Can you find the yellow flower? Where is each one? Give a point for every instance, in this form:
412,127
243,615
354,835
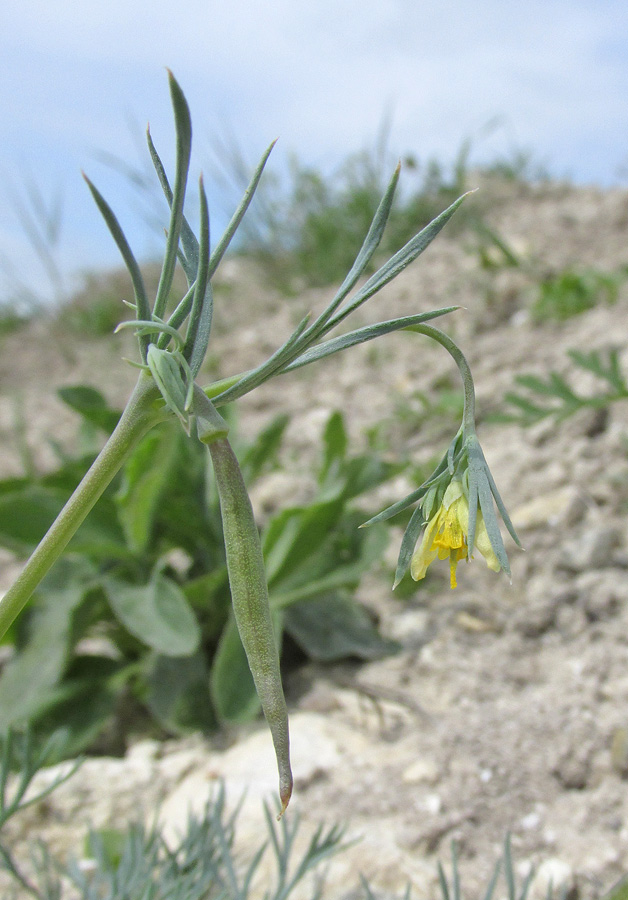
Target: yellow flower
445,536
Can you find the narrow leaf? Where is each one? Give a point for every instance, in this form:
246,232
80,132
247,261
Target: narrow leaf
238,215
189,260
370,245
183,127
398,262
408,543
368,333
275,363
562,389
139,291
200,321
397,507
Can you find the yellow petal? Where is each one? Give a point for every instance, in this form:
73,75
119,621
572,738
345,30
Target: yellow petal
483,543
424,553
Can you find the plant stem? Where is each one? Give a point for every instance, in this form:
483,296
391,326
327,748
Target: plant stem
140,415
468,416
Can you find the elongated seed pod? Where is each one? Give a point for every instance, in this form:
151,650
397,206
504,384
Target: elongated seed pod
249,595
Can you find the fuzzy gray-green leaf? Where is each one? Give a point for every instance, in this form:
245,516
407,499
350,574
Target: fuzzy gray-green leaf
183,126
157,614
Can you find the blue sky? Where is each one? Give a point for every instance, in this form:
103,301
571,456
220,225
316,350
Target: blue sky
82,77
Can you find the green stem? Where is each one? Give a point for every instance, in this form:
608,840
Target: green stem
468,415
140,414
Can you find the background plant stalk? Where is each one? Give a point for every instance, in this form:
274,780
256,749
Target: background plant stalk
142,412
251,608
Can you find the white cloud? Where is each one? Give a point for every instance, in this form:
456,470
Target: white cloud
319,75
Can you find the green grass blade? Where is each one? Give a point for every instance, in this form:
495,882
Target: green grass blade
509,871
443,882
455,871
493,882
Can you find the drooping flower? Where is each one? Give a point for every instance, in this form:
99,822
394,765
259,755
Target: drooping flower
446,535
456,512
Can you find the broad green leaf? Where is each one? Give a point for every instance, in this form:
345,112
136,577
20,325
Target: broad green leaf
26,515
28,508
334,446
363,473
324,573
156,613
178,693
91,405
295,534
146,475
333,627
80,708
231,683
28,681
262,453
184,517
209,597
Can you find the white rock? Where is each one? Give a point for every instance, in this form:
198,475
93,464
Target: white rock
248,769
433,804
554,872
531,821
546,509
422,770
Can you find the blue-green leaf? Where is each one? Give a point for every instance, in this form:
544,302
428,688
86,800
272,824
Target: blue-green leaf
156,613
231,683
146,475
333,626
91,405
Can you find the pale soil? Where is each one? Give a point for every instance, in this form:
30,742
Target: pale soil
507,709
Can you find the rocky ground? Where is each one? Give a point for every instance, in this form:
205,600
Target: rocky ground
507,708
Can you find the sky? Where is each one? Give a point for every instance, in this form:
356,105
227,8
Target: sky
81,78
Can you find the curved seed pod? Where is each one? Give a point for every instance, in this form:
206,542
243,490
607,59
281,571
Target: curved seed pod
249,595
